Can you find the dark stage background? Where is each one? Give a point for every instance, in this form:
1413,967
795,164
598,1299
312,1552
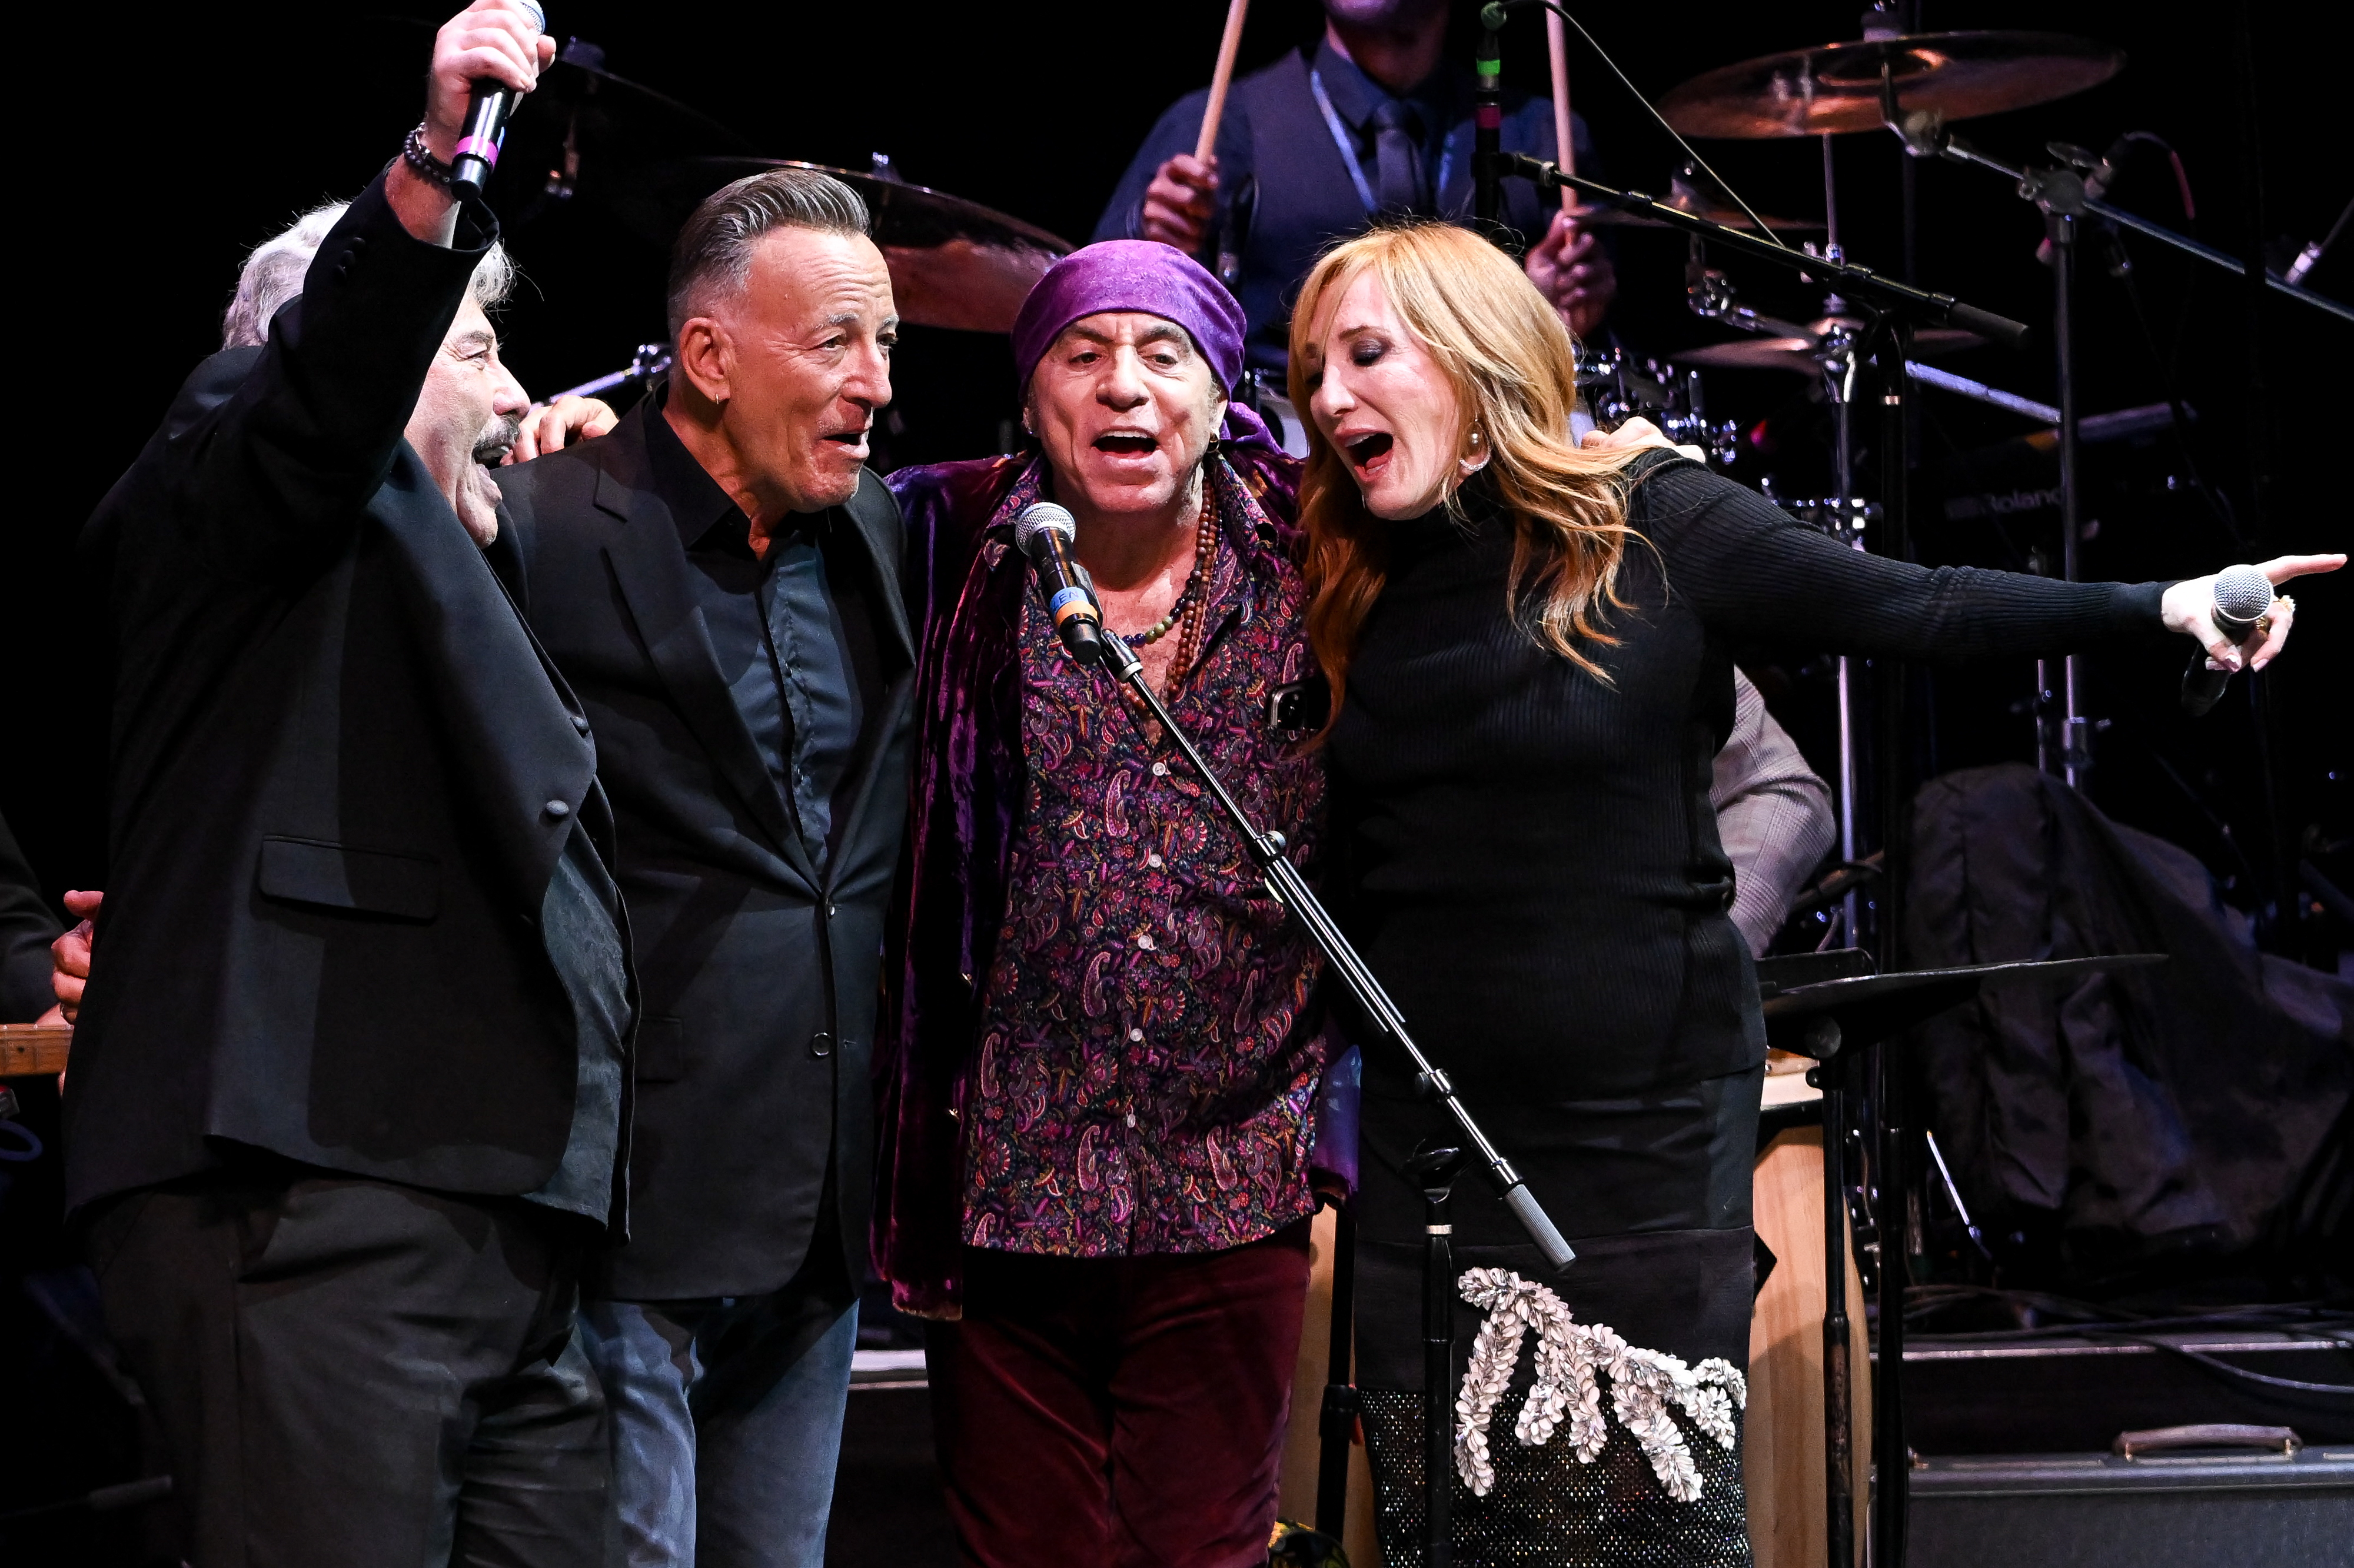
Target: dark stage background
205,129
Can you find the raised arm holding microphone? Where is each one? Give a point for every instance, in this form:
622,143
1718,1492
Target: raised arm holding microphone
346,1105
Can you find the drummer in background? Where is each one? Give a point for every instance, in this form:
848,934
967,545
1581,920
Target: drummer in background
1370,123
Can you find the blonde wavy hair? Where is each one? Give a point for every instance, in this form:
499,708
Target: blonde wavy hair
1514,371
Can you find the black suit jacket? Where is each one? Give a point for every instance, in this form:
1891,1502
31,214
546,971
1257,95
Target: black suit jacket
759,974
342,774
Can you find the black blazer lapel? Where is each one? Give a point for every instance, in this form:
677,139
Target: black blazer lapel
875,516
650,568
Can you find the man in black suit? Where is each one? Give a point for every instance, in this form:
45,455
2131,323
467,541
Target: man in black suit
717,579
345,1112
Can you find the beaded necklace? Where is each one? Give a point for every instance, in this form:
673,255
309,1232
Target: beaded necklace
1191,598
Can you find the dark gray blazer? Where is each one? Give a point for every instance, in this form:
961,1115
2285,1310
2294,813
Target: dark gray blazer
759,974
342,772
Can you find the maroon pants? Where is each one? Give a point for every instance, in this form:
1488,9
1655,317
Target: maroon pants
1119,1411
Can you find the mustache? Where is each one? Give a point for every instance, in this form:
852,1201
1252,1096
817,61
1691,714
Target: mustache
498,439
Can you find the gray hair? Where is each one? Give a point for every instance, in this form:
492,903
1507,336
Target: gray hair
714,249
273,274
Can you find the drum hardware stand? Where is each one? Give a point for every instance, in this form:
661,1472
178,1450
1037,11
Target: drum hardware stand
1844,514
1435,1168
651,359
1336,1422
1832,1007
2075,755
1292,890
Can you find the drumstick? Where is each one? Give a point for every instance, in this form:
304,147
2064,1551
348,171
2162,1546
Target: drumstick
1565,148
1228,46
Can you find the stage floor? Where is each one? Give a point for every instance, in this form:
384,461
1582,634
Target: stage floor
887,1511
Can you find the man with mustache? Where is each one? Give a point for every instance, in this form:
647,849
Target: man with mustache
346,1110
718,578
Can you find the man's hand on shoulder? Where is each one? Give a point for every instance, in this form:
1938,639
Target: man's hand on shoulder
490,41
552,426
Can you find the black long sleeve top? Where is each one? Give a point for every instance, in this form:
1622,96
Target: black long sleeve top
1529,860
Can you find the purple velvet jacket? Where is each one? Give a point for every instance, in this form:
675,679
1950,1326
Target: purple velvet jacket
964,583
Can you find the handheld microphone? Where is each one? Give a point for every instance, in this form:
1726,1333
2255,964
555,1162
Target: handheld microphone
1044,531
486,124
2243,594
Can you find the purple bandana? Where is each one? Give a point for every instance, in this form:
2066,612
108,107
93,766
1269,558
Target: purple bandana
1140,275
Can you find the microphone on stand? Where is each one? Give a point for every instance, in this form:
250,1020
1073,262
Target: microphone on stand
2243,594
1045,532
486,124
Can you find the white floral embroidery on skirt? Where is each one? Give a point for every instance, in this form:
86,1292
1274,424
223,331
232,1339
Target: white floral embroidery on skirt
1643,1386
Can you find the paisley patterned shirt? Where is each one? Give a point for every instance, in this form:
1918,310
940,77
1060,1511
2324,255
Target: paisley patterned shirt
1145,1080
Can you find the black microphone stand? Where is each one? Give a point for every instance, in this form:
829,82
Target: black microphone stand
1435,1170
1292,890
2061,192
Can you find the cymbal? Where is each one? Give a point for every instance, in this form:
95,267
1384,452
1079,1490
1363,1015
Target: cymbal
1684,198
1799,353
1835,87
954,263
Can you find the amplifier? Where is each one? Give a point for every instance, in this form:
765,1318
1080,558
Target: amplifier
2202,1509
1997,1393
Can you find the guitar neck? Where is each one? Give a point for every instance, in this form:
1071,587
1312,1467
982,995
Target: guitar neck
34,1050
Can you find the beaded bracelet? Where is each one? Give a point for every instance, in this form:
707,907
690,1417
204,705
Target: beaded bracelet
421,161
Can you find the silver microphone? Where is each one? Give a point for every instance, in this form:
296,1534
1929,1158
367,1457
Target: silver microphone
1046,533
2243,594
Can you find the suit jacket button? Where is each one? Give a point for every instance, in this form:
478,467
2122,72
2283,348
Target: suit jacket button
820,1043
580,723
558,810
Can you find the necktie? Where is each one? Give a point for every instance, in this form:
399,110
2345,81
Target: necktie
1397,179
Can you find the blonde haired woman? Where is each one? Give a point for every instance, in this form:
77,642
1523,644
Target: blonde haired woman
1527,643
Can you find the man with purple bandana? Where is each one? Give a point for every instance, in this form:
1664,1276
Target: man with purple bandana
1099,1063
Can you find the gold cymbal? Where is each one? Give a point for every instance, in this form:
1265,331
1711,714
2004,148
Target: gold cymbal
1684,198
1836,87
1803,353
954,262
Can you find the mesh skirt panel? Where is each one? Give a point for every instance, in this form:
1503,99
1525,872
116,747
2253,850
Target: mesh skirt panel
1547,1508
